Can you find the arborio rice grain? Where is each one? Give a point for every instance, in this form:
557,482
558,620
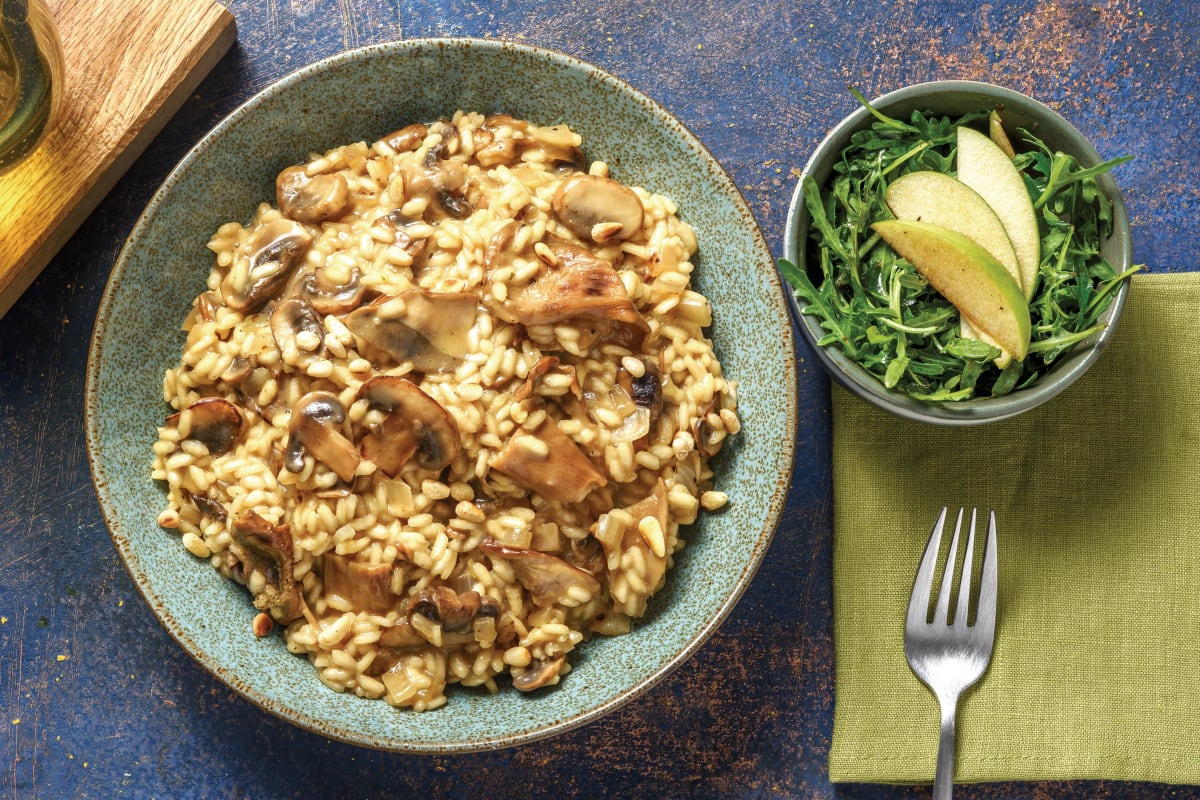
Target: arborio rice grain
444,406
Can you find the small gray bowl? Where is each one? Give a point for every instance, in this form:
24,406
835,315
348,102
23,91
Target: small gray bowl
361,95
953,98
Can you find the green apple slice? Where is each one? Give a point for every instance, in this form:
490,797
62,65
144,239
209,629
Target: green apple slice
968,276
939,199
986,168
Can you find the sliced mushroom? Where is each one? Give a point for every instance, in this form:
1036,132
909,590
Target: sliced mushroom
298,331
397,221
238,371
498,245
539,673
492,150
275,250
544,364
415,425
265,552
582,286
366,587
401,635
548,462
495,146
588,555
548,579
215,422
430,329
312,429
329,295
453,611
442,184
408,138
708,441
638,401
209,507
647,533
311,199
635,419
598,208
449,144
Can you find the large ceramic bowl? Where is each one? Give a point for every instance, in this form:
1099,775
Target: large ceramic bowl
361,95
953,99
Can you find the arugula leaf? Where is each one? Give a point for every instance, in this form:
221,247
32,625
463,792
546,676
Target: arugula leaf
885,316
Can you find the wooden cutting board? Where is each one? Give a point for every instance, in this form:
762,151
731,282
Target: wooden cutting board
130,65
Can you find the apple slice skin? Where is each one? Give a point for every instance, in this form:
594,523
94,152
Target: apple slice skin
966,275
988,170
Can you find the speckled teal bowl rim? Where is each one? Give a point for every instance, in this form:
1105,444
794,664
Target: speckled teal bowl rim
767,507
952,97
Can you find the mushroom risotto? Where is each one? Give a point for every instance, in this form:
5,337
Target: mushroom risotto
444,406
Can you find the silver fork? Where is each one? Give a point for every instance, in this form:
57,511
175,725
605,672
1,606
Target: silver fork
950,655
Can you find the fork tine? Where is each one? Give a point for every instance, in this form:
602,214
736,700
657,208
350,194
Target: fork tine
918,603
964,588
985,616
942,614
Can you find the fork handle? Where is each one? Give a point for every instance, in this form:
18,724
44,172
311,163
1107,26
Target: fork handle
943,780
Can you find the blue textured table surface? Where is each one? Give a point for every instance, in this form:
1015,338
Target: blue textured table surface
97,701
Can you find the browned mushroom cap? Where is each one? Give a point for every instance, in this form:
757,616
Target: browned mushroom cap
551,464
297,329
311,200
266,549
407,138
312,429
275,250
598,208
329,296
581,286
430,329
366,587
455,612
547,578
415,424
215,422
538,674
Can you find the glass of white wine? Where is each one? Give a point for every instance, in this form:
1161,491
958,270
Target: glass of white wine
31,78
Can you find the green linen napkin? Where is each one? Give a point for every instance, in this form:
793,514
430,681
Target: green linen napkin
1096,667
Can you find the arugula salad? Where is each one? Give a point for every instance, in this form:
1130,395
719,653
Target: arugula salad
891,314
